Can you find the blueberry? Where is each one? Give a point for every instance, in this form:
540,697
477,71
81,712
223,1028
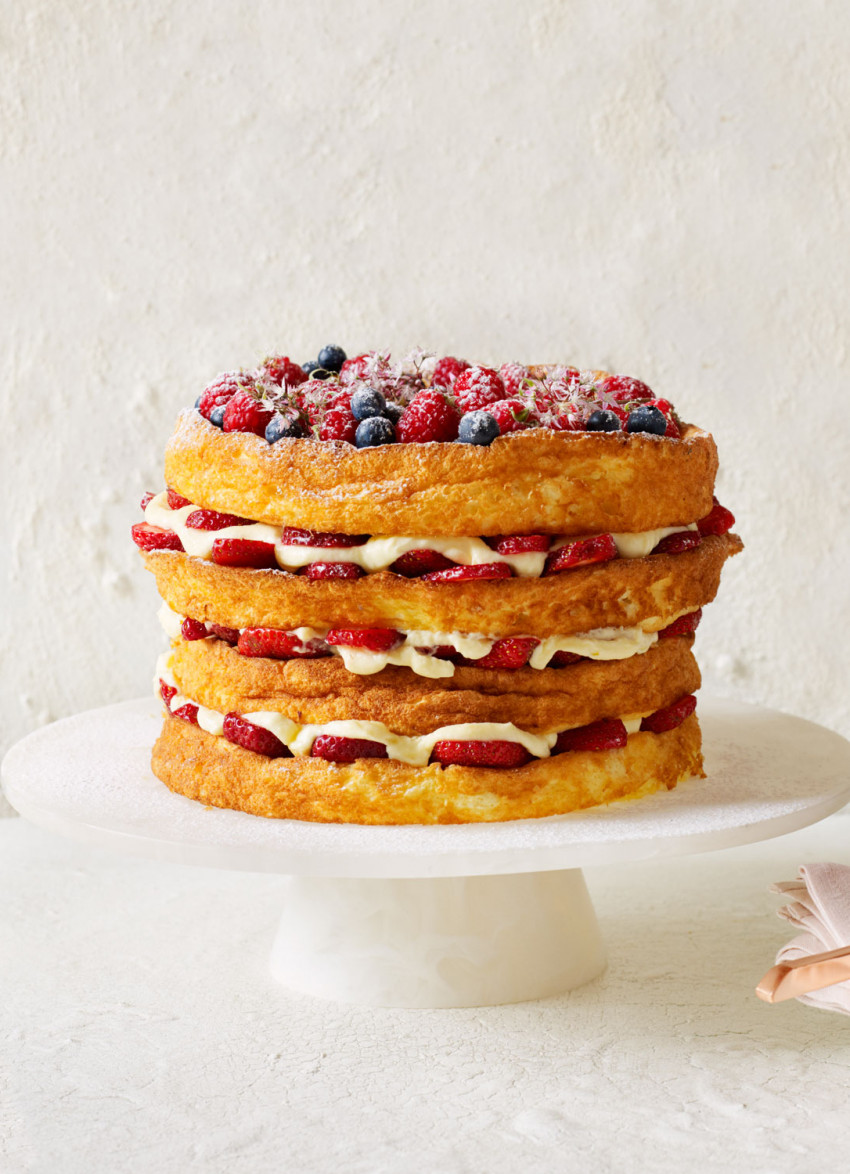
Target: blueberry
331,358
647,419
280,426
478,428
217,415
197,403
394,412
367,402
315,370
602,421
373,431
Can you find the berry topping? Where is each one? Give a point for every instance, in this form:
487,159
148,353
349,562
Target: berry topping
291,536
279,645
280,369
561,659
447,371
511,653
394,412
683,626
479,571
515,377
476,387
375,639
193,629
366,402
512,415
647,419
166,692
213,520
147,498
599,549
666,409
244,552
314,370
667,719
250,737
331,358
188,712
217,415
624,389
221,391
244,413
678,543
334,749
510,754
148,537
520,543
338,424
228,635
374,431
719,521
429,416
609,734
176,501
477,428
603,421
333,571
420,562
290,426
353,369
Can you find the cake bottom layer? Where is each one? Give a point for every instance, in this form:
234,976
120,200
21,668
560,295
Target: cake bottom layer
217,773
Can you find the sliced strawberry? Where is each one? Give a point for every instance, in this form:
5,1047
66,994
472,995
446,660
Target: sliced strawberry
213,520
678,543
244,552
279,645
193,629
581,553
415,563
460,573
510,754
241,732
176,501
609,734
443,652
147,498
166,692
683,626
520,543
229,635
333,571
561,659
719,521
187,712
148,537
334,749
670,717
511,653
375,639
290,536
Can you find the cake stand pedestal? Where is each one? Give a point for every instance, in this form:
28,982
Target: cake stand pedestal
447,916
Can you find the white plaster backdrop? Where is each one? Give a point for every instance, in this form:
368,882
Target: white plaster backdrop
654,188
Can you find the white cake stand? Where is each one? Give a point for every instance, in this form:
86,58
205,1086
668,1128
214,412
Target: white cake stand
455,916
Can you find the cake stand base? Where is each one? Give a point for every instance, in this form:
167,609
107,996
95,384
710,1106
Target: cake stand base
468,941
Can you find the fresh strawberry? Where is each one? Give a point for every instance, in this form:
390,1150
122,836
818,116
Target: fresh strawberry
520,543
166,692
683,626
193,629
148,537
244,552
581,553
353,369
679,542
333,571
477,388
375,639
212,520
624,389
222,390
176,501
447,371
147,498
514,376
609,734
244,733
228,635
415,563
509,754
279,645
667,719
246,414
428,416
512,415
290,536
560,660
187,712
510,653
335,749
280,369
339,424
719,521
460,573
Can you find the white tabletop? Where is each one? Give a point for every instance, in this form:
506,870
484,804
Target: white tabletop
141,1033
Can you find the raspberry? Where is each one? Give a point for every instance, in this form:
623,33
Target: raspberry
176,501
514,377
678,543
166,692
290,536
339,424
212,520
683,626
279,645
188,712
228,635
221,391
581,553
667,719
478,387
623,388
428,416
333,571
666,409
353,369
719,521
479,571
246,414
147,498
567,420
193,629
520,543
420,562
510,754
334,749
282,370
447,371
561,659
244,552
510,653
512,415
241,732
375,639
148,537
609,734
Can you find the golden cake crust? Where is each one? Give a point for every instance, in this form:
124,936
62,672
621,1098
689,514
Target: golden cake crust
379,791
537,481
642,592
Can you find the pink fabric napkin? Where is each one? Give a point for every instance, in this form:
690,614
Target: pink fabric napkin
820,909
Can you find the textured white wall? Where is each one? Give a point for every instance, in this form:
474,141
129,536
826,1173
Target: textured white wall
652,187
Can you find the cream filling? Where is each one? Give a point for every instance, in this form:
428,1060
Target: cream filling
377,553
414,750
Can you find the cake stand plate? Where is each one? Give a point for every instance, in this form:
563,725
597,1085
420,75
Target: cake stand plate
419,916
